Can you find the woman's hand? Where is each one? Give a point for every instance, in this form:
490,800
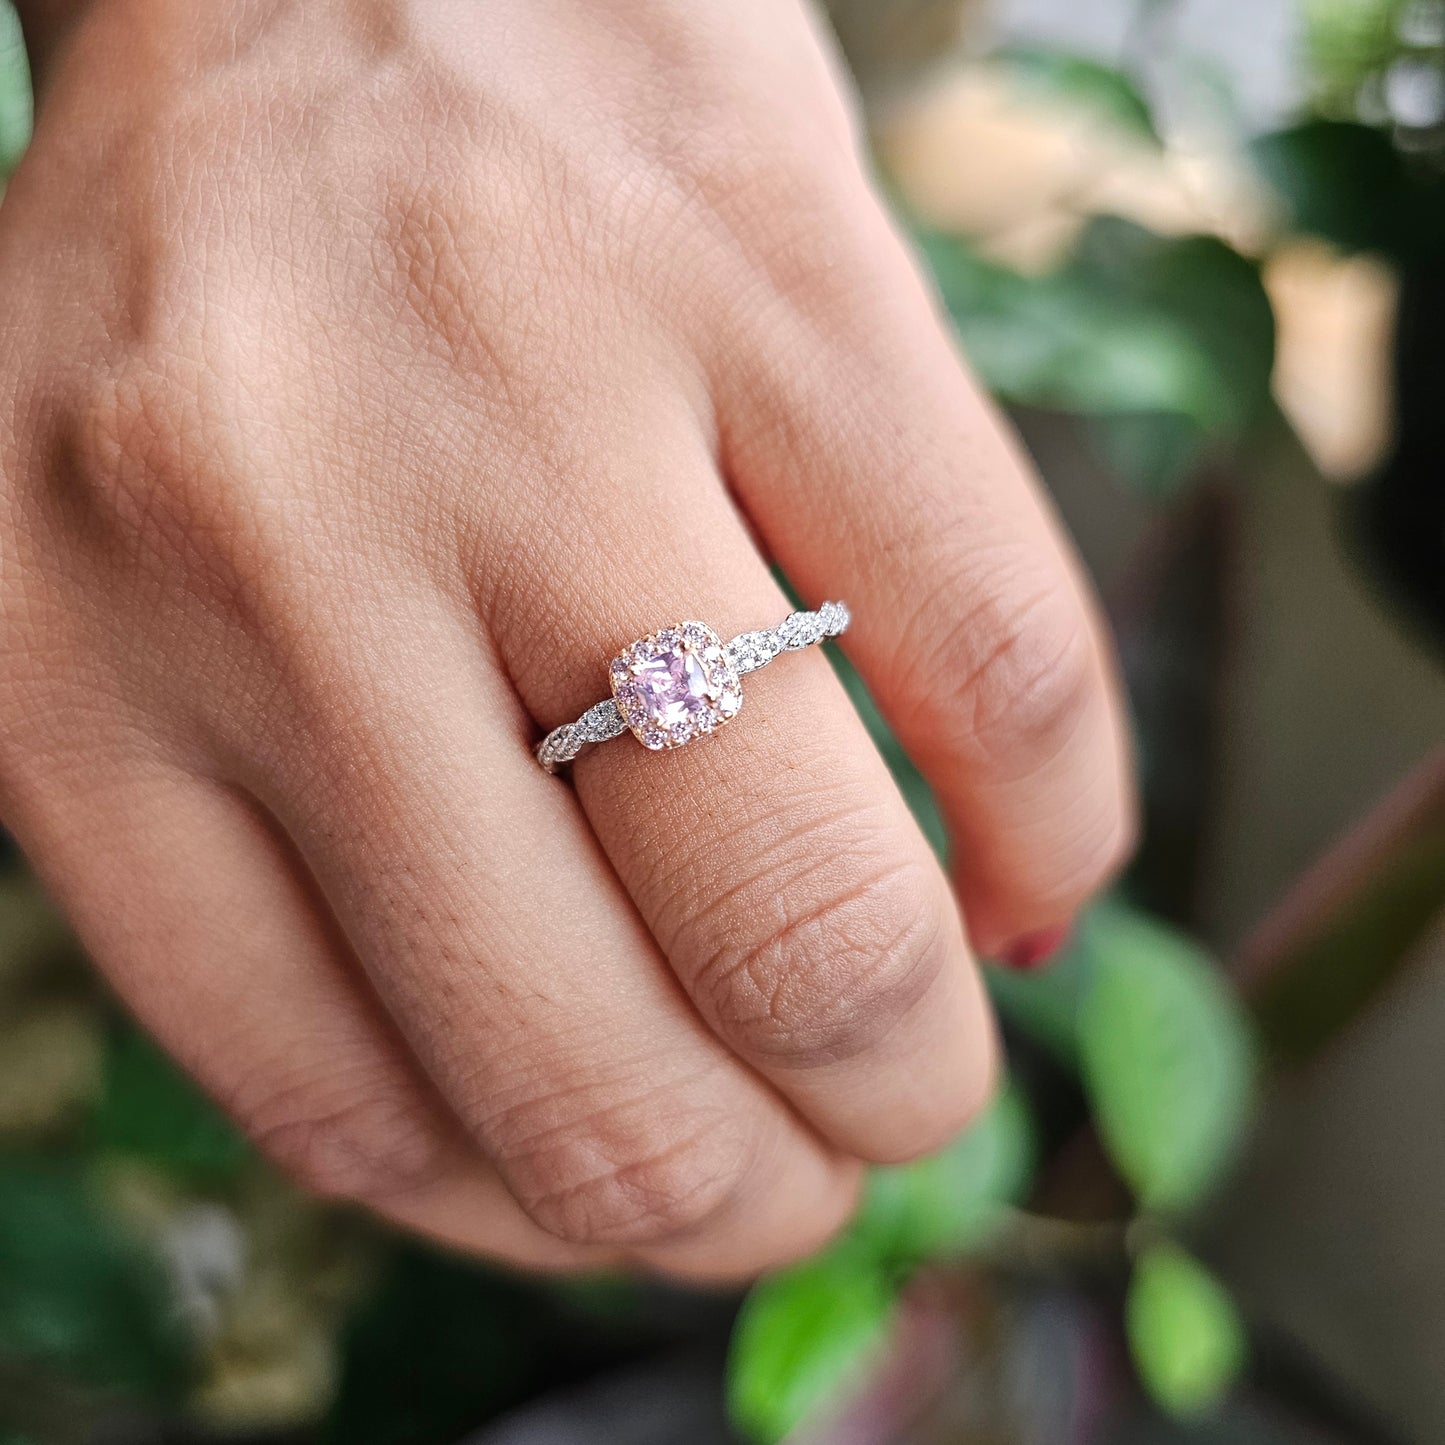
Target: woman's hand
370,372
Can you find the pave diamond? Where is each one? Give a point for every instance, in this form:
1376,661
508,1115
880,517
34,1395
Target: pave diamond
800,629
752,650
674,685
601,721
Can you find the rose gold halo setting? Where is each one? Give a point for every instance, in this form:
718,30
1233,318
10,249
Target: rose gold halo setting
684,682
675,685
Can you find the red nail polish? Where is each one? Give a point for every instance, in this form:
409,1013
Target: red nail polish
1034,950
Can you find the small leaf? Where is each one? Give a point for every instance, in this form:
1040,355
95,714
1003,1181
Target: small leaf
1166,1055
804,1341
954,1200
1185,1335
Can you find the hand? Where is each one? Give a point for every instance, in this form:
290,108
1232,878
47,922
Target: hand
373,371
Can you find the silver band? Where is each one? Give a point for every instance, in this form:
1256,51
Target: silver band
745,653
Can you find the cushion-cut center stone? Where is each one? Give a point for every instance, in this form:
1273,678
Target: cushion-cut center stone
672,687
675,685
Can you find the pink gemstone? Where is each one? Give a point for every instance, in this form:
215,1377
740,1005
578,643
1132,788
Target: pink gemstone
677,686
672,687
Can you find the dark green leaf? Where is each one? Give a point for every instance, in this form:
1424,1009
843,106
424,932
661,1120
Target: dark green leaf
1184,1332
953,1201
1167,1057
150,1110
1211,292
440,1344
1081,81
77,1295
1069,342
804,1341
1153,453
1349,185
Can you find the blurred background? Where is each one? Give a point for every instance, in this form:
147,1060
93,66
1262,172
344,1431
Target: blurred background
1195,247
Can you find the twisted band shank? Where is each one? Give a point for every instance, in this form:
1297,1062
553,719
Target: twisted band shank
747,652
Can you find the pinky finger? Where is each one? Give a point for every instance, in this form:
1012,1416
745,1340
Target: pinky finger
190,901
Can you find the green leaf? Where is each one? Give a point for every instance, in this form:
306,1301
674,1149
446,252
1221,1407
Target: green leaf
15,101
77,1294
1349,185
804,1341
150,1110
440,1343
1078,80
1166,1055
954,1200
1184,1333
1165,345
1068,342
1212,293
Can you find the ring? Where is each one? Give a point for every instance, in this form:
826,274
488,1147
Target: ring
684,682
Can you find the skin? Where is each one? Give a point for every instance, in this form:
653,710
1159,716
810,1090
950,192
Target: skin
370,372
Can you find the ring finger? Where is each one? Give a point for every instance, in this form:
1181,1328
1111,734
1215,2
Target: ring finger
775,863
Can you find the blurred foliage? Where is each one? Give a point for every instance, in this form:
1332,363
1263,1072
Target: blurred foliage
1349,184
955,1201
1163,345
1166,1058
806,1337
1047,74
1186,1336
148,1111
15,103
149,1259
78,1295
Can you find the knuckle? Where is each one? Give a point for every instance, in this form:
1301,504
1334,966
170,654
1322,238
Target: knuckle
142,464
812,982
367,1145
1029,672
741,1256
427,259
625,1174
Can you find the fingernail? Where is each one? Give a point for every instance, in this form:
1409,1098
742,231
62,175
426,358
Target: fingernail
1034,950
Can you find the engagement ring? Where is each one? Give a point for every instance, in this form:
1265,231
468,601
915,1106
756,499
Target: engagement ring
684,682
